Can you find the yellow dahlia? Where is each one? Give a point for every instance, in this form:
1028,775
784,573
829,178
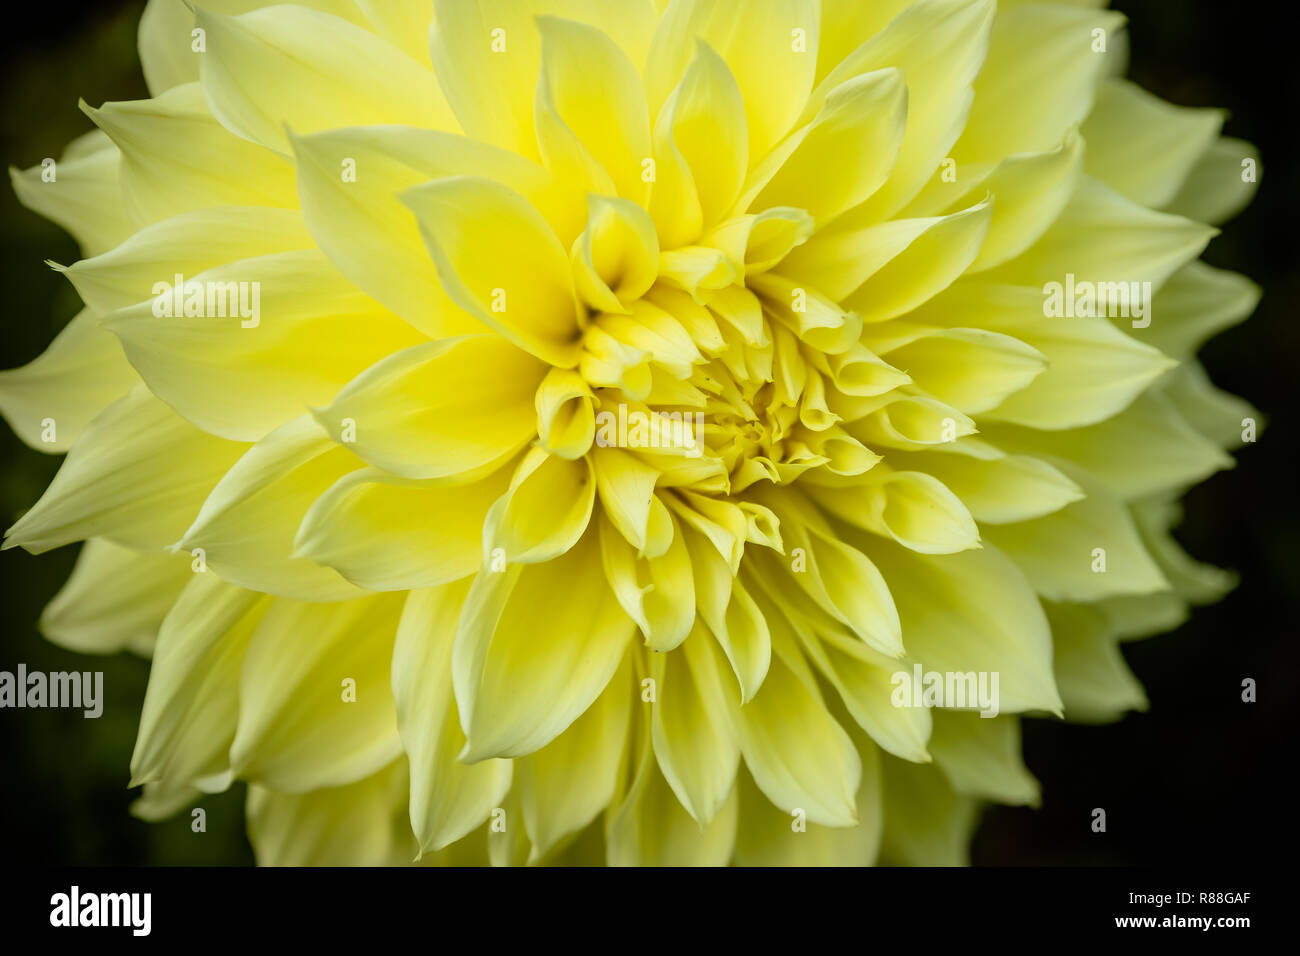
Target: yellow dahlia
680,432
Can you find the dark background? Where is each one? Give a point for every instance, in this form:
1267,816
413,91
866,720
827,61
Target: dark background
1201,779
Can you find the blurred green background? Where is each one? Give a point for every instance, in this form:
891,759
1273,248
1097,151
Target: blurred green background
1200,779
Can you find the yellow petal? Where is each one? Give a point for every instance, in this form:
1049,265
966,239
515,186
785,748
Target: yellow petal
1143,146
702,140
273,336
846,153
840,578
610,117
358,824
544,512
758,42
177,158
1101,236
1039,79
757,243
487,56
731,614
973,370
188,244
51,400
192,704
1029,191
887,269
448,798
290,66
926,822
115,599
768,836
863,679
694,739
521,680
1198,302
939,46
349,184
647,826
799,755
1147,448
616,259
995,487
392,534
1221,184
432,411
657,593
563,786
1096,684
980,756
110,485
86,197
1094,370
1060,553
912,507
166,42
246,526
499,261
315,703
627,495
953,622
566,416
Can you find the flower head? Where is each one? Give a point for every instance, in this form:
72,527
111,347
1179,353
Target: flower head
632,432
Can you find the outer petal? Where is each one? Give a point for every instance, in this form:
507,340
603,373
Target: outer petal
1039,80
246,526
189,243
692,725
980,756
448,798
974,611
110,485
1101,236
299,333
846,153
563,786
610,118
1058,553
1143,146
315,701
192,704
176,158
166,40
1221,184
358,824
288,65
926,822
799,755
648,827
86,198
80,373
115,599
1096,684
939,46
767,836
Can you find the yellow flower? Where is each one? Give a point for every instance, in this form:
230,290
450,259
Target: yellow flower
631,432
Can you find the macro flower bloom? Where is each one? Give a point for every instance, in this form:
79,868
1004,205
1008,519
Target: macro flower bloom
588,432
